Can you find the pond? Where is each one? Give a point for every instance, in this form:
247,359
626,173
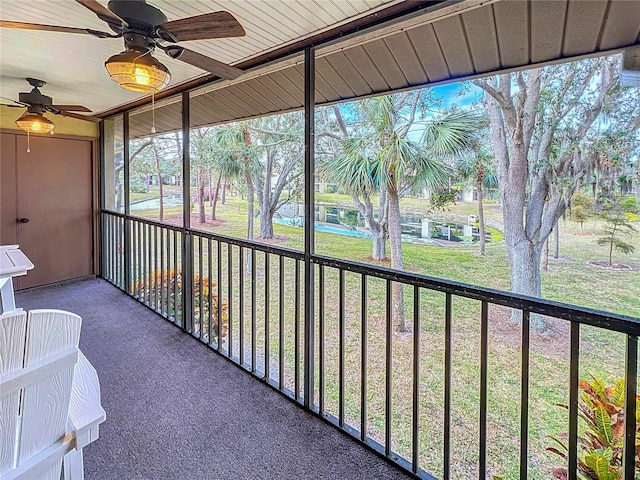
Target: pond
415,229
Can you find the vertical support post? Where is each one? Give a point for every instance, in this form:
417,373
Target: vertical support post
187,246
127,210
524,397
574,396
484,365
101,234
309,175
631,385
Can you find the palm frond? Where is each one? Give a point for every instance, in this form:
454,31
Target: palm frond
452,133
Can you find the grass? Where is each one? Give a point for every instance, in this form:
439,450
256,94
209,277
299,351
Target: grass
569,279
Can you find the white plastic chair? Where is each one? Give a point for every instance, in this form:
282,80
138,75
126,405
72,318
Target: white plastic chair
49,396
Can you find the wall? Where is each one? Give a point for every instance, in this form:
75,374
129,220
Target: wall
64,125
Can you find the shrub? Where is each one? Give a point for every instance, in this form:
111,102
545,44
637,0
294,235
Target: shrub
615,230
600,447
169,280
629,205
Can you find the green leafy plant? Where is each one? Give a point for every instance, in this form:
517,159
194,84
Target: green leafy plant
601,443
580,214
616,228
171,282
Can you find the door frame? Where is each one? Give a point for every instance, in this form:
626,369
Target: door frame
95,190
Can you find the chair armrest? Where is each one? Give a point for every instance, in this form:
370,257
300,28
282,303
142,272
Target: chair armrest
85,411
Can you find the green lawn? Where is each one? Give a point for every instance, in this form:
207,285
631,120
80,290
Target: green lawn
569,279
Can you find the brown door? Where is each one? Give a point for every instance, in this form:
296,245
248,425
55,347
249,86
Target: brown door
54,208
8,193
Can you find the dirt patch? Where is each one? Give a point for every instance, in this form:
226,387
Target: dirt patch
195,221
272,241
553,342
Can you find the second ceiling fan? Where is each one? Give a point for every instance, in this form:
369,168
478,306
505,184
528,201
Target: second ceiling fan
143,28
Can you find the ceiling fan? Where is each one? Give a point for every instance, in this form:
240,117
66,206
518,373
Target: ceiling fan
33,119
143,28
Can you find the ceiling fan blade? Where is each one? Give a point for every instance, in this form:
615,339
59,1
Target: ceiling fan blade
202,27
102,12
71,108
14,103
88,118
208,64
52,28
12,106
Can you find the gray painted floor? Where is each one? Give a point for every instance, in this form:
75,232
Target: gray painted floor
176,410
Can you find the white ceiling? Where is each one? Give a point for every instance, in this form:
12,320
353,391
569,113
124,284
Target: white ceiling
72,64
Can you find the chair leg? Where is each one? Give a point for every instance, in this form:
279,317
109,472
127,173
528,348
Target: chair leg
74,465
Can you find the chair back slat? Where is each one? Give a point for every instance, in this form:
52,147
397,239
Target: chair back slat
45,402
12,343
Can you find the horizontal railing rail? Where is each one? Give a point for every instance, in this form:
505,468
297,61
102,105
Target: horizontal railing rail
564,311
407,364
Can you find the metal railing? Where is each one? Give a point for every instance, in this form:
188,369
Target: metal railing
396,392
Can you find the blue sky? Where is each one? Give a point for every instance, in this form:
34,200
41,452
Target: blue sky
457,94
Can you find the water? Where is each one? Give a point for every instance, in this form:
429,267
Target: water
297,222
169,201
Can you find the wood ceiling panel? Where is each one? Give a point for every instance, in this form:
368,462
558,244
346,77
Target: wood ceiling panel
276,89
269,24
428,49
479,40
406,57
292,90
482,40
231,96
584,21
248,97
623,24
227,107
324,90
547,30
255,91
325,70
342,64
361,61
386,64
512,25
452,40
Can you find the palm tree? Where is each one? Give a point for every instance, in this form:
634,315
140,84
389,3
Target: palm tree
478,169
385,159
226,159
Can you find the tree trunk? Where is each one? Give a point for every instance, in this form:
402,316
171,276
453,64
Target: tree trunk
202,218
524,262
215,198
266,223
556,241
160,189
223,198
250,194
395,241
544,260
379,243
483,241
210,188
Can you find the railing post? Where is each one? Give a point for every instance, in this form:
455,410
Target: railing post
101,223
187,244
127,210
309,176
631,384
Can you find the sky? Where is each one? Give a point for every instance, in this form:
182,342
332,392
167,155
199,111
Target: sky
457,94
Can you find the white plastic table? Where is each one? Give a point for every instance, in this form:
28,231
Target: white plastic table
13,263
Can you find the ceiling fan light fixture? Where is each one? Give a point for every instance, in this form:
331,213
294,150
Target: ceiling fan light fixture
138,71
35,123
